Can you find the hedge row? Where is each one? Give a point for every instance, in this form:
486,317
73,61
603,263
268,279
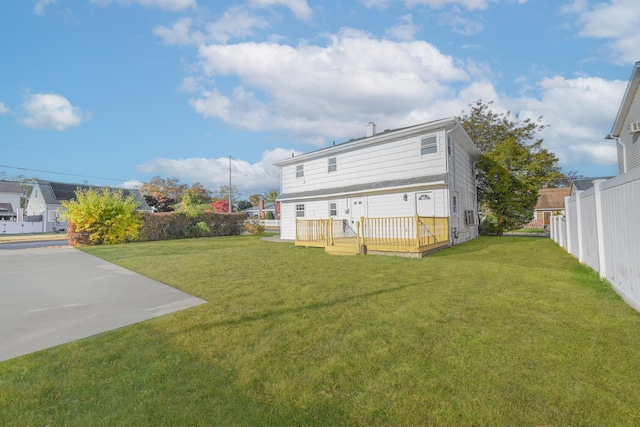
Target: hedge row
175,225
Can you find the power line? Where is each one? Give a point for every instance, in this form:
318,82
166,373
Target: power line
62,173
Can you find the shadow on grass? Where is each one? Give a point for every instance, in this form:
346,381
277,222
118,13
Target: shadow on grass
254,317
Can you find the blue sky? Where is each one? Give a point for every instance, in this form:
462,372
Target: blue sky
118,91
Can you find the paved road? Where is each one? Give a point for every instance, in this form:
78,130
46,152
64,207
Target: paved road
33,244
50,296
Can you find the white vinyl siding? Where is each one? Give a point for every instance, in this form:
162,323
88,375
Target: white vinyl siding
631,140
394,160
333,166
429,145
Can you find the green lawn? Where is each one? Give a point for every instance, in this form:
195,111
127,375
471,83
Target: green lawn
506,331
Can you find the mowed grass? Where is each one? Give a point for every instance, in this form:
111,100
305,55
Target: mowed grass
504,331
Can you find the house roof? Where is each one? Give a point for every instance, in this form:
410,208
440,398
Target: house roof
55,192
552,198
266,207
627,100
10,187
587,183
359,188
6,209
451,124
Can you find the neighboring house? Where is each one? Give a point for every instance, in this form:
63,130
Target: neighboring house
264,210
45,202
10,193
626,128
550,203
427,170
584,184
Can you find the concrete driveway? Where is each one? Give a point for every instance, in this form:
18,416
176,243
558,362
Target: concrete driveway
52,296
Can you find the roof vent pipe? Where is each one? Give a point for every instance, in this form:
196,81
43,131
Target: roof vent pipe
371,129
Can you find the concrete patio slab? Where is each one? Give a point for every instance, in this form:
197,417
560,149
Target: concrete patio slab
52,296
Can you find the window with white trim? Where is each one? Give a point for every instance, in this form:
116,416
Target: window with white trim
333,165
429,145
470,218
299,171
300,211
333,209
455,205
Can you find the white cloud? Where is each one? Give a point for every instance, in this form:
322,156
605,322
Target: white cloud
3,109
434,4
299,8
38,8
329,90
131,185
235,23
177,34
580,113
459,23
213,173
159,4
404,30
50,111
616,21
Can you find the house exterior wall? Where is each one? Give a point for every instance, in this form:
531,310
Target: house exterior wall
11,198
37,205
631,140
398,157
392,160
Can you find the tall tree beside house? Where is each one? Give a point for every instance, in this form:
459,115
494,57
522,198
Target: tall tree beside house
512,167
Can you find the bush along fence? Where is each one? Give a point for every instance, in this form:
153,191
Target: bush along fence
601,229
176,225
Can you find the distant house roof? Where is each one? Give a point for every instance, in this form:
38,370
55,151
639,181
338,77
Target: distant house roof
585,184
10,187
55,192
256,209
552,198
6,209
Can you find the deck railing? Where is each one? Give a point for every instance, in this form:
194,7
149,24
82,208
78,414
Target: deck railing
393,234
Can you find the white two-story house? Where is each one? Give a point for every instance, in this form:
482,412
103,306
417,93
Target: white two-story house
425,170
626,128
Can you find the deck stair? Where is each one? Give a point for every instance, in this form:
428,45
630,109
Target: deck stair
344,246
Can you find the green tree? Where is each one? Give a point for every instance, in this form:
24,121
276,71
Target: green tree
271,196
169,188
513,165
243,204
102,216
193,202
255,199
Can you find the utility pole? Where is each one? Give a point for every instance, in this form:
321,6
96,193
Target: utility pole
230,201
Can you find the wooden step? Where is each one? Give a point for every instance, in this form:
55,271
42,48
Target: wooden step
342,249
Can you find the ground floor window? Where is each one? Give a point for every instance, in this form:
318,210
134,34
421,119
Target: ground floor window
300,211
333,209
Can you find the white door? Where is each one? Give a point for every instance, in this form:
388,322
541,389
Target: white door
425,204
357,210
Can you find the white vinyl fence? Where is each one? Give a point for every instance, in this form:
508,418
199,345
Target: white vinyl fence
601,227
12,227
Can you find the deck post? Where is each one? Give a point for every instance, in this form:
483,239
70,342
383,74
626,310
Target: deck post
330,232
417,231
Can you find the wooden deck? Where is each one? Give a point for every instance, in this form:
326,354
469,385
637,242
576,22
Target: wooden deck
409,236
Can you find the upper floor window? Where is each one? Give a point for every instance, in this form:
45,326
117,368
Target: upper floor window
333,166
299,171
450,145
429,145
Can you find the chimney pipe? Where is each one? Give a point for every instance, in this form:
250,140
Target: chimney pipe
371,129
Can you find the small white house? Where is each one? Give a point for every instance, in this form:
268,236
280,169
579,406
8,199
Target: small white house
10,193
46,199
626,128
426,170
